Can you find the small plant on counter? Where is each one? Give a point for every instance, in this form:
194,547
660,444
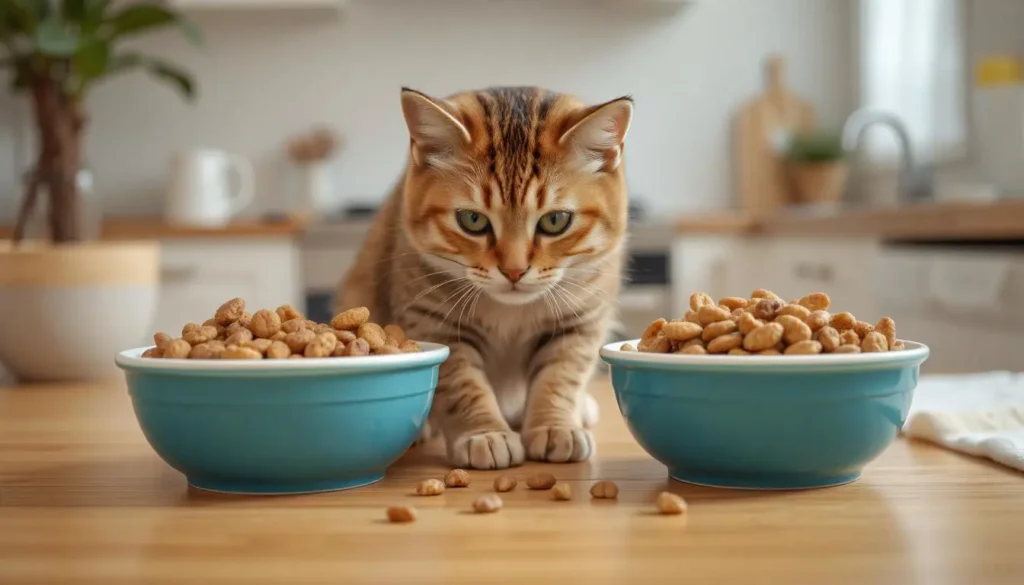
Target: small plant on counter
815,147
817,167
58,50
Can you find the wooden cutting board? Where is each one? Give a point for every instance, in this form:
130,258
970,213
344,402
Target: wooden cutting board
761,181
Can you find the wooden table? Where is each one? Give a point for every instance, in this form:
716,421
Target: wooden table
84,500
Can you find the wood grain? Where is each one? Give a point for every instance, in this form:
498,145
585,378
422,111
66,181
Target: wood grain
83,500
156,228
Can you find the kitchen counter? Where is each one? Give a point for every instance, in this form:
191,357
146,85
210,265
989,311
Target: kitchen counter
933,221
156,228
84,500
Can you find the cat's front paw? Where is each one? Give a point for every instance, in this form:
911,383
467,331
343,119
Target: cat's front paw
494,450
558,444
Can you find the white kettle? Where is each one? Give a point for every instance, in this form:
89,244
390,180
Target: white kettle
200,190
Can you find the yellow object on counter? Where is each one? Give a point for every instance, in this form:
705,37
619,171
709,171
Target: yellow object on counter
998,70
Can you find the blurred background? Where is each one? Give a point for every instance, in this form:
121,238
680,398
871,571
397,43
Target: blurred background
873,149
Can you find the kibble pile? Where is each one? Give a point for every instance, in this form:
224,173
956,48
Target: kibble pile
764,324
283,333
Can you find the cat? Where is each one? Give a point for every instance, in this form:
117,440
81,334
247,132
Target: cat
504,240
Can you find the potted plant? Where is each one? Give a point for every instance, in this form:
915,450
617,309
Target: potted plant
817,167
67,303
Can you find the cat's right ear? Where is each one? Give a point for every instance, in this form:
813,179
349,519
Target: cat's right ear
437,135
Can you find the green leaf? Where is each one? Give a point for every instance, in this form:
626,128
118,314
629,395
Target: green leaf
157,68
41,8
93,17
18,16
53,39
143,17
92,58
72,10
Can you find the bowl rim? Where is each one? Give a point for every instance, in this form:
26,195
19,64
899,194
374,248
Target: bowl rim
914,354
433,354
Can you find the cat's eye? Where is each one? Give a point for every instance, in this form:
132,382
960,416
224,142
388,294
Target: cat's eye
554,223
472,222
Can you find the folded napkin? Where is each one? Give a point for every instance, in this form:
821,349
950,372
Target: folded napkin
977,414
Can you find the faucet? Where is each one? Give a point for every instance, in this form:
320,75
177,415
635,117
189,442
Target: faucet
915,182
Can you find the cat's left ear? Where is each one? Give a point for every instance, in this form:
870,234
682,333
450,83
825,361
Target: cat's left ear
437,135
596,139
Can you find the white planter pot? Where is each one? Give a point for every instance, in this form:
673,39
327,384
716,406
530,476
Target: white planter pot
67,310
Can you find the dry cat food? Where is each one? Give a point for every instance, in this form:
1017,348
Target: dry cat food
541,481
561,491
669,504
764,324
604,490
487,504
401,514
283,333
505,483
456,478
430,487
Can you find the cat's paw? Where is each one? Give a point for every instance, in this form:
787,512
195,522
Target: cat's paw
558,444
495,450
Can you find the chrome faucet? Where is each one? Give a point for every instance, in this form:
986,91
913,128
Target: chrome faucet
915,182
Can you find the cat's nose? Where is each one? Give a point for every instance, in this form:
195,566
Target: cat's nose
513,274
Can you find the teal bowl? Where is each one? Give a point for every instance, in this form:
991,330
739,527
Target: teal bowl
765,422
282,426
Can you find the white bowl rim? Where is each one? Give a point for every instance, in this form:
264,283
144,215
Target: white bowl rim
432,354
914,352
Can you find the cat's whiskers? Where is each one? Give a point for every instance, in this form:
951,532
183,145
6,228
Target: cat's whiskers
466,290
432,289
559,291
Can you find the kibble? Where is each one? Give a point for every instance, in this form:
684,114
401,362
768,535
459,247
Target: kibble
430,487
401,514
487,504
457,478
541,481
604,490
505,483
561,492
670,504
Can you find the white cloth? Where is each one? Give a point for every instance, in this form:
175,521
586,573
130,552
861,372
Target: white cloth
977,414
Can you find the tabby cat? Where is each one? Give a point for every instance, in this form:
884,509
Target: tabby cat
504,240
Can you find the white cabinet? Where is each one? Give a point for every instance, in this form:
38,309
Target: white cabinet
197,275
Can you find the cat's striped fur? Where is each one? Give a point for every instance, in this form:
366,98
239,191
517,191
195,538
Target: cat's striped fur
523,312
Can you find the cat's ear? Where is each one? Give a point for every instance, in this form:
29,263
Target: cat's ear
437,135
595,140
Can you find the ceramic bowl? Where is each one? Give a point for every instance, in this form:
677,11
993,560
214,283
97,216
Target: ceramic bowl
282,426
765,422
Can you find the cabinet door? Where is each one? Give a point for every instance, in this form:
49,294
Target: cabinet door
198,275
843,268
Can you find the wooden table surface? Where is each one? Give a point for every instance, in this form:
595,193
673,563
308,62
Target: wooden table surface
84,500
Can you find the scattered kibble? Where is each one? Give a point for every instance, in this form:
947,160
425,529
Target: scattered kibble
669,503
604,490
561,491
401,514
282,333
505,483
541,481
456,478
430,487
487,504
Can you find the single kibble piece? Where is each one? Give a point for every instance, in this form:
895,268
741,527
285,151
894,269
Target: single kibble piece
887,327
847,348
430,487
205,351
736,313
669,503
293,325
561,492
505,483
691,317
153,352
196,334
626,347
738,351
799,311
239,337
288,312
260,345
769,351
874,342
351,319
230,312
733,303
487,504
298,340
843,321
321,345
764,337
863,328
177,349
805,347
715,330
278,350
387,350
760,293
296,356
456,478
681,330
279,336
709,314
401,514
373,334
818,301
395,332
344,336
747,322
725,343
339,350
698,341
409,346
693,350
234,352
357,348
898,345
653,330
794,330
160,340
766,309
699,299
541,481
849,337
604,490
265,323
828,337
818,319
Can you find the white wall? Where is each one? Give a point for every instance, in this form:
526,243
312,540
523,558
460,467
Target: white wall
263,78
